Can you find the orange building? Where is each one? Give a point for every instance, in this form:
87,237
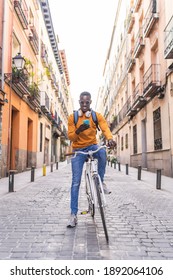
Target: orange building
33,100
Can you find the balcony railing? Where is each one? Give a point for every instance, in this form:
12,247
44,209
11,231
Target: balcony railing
44,55
139,43
33,39
168,42
22,12
139,100
130,112
121,115
130,21
150,18
151,81
44,102
130,61
20,82
137,5
34,96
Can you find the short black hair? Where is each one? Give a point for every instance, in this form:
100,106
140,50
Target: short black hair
85,93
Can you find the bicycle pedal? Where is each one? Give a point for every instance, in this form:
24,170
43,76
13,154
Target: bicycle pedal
84,212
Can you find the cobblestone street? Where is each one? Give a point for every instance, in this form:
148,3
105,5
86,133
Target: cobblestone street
139,219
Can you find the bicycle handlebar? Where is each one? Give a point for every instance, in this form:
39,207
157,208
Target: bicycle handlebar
91,152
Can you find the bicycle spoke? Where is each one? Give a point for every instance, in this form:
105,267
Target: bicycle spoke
91,205
101,208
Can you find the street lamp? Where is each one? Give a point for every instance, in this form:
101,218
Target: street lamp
19,62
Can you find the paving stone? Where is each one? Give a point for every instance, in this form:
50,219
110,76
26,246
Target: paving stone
140,222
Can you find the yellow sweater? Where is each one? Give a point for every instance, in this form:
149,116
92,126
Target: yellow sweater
88,136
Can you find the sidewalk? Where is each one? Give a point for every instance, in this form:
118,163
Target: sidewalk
23,179
148,177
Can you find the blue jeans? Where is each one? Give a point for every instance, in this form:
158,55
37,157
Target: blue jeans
77,168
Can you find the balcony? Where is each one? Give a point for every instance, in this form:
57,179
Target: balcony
139,43
34,96
19,81
33,39
139,100
130,62
130,111
44,55
44,102
150,18
130,21
60,99
168,41
121,115
152,81
137,5
21,10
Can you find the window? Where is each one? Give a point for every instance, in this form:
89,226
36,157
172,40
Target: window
135,139
126,141
41,136
122,143
16,46
157,129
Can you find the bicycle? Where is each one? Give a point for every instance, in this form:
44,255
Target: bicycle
94,187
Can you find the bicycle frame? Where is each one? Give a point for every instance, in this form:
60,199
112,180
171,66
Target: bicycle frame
91,171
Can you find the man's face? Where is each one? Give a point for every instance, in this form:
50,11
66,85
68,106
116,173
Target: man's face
85,102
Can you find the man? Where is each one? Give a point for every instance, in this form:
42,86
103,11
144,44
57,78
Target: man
83,137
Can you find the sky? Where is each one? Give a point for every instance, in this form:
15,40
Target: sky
84,28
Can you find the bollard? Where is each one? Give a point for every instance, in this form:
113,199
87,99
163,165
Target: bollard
11,180
51,167
44,169
57,165
127,169
32,173
158,179
111,163
119,166
139,172
115,165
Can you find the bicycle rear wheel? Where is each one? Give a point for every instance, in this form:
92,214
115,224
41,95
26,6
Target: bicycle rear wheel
91,205
101,208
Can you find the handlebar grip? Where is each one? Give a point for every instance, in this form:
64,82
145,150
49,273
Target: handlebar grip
69,154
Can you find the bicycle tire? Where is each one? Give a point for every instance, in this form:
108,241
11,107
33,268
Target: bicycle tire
91,206
96,182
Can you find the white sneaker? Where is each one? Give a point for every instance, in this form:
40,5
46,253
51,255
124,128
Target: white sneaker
72,221
106,190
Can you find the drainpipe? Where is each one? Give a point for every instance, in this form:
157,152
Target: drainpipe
2,79
3,40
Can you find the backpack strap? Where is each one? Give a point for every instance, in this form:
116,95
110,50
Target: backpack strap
75,114
94,117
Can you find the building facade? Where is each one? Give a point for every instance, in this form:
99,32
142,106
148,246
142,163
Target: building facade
137,84
35,100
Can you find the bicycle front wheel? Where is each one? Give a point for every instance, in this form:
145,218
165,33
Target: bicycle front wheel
89,195
101,207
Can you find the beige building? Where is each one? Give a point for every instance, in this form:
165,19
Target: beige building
137,90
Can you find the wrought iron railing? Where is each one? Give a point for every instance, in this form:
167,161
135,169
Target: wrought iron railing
152,76
168,41
22,12
150,17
